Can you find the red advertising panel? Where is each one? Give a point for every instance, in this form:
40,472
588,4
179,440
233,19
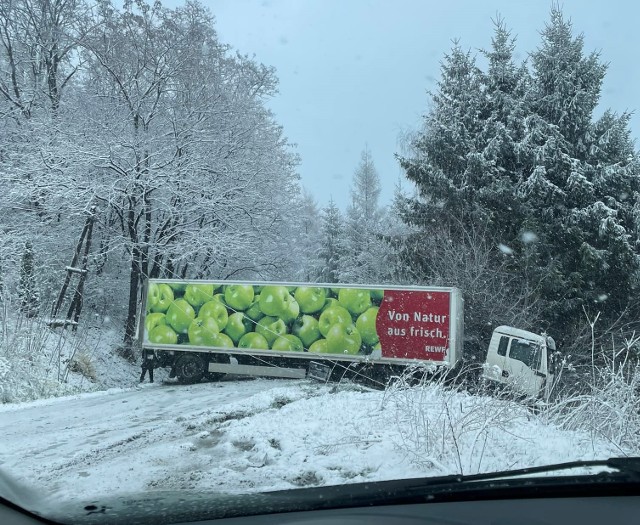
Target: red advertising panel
414,324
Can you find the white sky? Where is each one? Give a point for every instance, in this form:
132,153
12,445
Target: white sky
355,73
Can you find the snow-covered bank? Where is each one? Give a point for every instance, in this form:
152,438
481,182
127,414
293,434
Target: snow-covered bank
38,362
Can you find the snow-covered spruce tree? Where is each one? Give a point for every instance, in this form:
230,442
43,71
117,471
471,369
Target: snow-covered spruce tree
582,188
496,160
465,162
332,235
363,245
464,165
439,166
305,239
28,292
520,156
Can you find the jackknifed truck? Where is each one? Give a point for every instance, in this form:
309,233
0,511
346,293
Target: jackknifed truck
208,329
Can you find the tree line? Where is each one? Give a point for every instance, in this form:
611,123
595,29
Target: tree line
524,193
519,189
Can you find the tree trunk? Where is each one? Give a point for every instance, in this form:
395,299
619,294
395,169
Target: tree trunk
134,282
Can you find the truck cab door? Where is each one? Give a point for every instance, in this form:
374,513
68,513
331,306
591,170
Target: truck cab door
525,367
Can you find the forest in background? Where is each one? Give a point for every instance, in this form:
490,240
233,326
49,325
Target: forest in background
515,191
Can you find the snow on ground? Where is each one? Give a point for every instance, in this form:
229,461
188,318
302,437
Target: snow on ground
113,436
260,435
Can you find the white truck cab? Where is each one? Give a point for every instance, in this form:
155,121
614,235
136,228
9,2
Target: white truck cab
521,360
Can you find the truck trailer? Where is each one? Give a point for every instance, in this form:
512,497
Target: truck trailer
203,328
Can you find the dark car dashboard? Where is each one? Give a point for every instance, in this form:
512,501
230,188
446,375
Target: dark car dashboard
551,495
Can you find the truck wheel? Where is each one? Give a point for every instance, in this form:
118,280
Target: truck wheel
189,368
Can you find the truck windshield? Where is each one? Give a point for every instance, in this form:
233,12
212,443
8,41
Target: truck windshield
527,352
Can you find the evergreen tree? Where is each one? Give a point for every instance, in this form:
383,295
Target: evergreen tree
467,164
456,160
365,192
520,156
308,238
497,146
362,225
566,84
330,253
444,173
582,188
28,287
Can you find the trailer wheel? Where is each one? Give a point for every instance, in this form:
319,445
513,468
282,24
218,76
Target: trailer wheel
189,368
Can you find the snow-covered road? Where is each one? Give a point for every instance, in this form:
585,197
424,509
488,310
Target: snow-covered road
259,435
46,433
53,441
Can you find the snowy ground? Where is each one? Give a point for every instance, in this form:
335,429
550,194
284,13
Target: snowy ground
258,435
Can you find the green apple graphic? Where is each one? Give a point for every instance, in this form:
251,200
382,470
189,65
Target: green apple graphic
319,347
160,296
343,339
201,331
332,316
366,325
153,294
163,335
238,296
274,301
237,326
292,312
253,312
198,294
221,340
216,310
377,295
179,315
153,320
254,341
270,328
329,302
306,329
287,343
355,300
178,287
310,299
220,298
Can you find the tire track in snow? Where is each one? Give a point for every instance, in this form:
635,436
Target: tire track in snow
63,439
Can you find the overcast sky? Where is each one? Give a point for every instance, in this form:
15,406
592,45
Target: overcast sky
355,72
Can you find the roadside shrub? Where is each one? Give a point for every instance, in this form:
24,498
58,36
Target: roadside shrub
608,405
35,361
443,427
81,363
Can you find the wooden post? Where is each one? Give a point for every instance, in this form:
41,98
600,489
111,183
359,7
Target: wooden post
73,313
